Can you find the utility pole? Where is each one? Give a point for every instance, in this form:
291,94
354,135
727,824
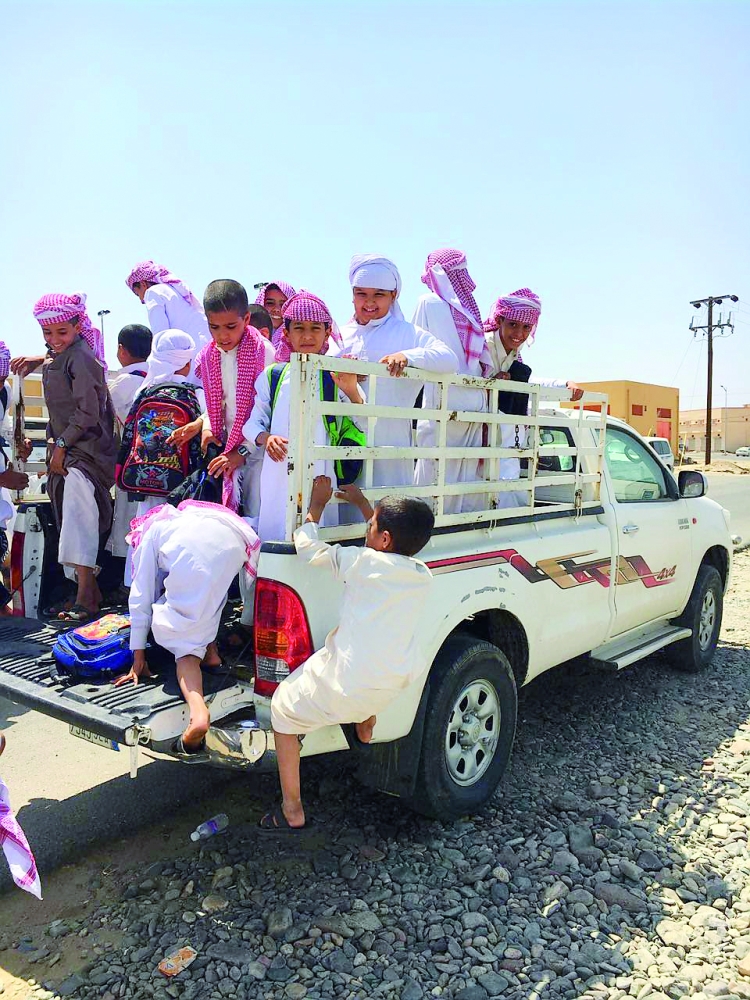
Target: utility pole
725,421
709,328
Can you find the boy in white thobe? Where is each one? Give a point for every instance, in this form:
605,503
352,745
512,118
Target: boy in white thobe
373,654
133,349
449,312
513,320
184,562
379,333
170,303
307,328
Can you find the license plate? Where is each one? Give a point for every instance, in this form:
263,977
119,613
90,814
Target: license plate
100,741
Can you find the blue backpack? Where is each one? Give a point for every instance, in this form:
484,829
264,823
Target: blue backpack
97,649
341,431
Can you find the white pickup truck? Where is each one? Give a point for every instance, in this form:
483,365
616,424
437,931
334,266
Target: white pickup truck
610,557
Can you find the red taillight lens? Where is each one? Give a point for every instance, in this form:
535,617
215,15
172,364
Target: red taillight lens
282,634
16,573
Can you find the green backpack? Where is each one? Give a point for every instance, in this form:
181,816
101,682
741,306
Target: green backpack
341,431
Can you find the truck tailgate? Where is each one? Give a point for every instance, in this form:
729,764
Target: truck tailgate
27,677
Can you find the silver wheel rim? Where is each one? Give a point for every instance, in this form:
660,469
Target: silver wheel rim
473,731
707,619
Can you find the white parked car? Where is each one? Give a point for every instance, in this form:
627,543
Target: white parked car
609,556
743,453
663,449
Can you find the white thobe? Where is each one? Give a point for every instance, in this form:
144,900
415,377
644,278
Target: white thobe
167,310
78,544
124,385
247,477
371,343
182,571
435,316
274,477
7,510
373,653
510,468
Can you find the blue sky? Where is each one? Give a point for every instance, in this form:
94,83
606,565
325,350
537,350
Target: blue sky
597,152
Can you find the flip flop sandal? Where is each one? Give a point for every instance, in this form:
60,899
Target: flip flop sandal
275,824
58,609
77,614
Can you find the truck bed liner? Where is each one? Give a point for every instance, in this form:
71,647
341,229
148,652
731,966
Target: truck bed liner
26,677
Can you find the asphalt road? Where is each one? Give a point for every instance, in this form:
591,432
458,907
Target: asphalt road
733,492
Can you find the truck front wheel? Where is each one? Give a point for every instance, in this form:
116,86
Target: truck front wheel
470,724
702,615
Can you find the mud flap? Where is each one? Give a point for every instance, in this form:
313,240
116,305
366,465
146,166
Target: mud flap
392,767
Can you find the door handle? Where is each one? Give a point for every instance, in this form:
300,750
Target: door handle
630,529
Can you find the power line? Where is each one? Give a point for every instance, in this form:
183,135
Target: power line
710,302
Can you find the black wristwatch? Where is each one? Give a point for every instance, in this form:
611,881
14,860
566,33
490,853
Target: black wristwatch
243,450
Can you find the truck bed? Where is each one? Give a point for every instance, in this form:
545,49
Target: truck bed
28,677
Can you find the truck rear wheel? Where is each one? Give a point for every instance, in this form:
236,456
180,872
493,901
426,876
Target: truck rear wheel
703,615
470,724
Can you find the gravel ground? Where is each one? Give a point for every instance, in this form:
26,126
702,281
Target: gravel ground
613,863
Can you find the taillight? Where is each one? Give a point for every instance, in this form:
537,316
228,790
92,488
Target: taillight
16,573
282,634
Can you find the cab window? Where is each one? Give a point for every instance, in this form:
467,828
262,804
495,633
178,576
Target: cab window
636,475
555,437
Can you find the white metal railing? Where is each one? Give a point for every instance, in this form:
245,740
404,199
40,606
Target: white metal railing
307,409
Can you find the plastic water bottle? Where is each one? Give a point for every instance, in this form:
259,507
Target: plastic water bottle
217,824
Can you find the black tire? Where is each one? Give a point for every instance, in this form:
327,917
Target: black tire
440,792
703,615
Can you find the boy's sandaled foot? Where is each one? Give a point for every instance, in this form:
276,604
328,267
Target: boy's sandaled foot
275,822
55,610
353,738
78,614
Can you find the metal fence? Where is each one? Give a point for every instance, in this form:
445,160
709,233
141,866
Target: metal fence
506,437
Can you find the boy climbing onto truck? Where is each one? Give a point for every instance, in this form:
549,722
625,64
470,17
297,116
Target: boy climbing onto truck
372,655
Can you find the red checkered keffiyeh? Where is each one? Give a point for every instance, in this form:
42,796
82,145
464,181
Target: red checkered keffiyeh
285,288
16,847
250,363
304,307
252,543
157,274
522,306
446,275
59,308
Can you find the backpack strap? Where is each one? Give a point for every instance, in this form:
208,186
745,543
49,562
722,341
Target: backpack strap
275,376
140,374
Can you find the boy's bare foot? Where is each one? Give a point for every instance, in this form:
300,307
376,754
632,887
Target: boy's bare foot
194,735
364,729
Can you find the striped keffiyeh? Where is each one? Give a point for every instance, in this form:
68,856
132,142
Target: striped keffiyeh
250,363
157,274
446,275
16,847
59,308
304,307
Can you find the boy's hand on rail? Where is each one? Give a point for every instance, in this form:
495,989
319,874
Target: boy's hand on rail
347,382
354,495
320,494
396,363
576,392
24,366
276,447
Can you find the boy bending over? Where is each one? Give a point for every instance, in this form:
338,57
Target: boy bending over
372,655
184,562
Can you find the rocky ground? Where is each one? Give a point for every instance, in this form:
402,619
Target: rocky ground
612,863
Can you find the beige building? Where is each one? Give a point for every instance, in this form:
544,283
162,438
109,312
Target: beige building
730,428
652,410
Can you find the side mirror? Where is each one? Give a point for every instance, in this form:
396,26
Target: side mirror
692,484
